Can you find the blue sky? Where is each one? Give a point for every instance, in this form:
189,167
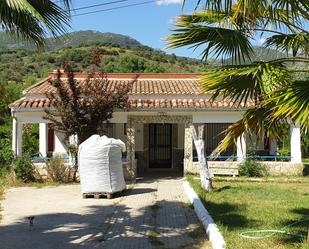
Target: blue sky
149,23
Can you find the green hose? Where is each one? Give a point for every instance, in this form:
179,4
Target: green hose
272,232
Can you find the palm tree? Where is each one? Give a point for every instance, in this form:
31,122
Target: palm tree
33,20
278,90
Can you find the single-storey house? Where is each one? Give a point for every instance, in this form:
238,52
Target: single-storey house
155,127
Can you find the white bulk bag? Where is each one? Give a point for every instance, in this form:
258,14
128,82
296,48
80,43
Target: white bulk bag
100,165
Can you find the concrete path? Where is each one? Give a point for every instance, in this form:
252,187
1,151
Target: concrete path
154,214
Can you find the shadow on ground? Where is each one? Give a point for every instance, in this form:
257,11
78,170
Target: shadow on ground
306,169
110,226
299,227
229,215
139,191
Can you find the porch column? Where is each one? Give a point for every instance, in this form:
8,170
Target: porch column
295,144
241,147
131,147
43,139
17,137
188,148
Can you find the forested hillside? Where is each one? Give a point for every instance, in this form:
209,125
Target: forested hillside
26,65
21,63
74,39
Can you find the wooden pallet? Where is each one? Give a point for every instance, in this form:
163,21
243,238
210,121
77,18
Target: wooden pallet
100,195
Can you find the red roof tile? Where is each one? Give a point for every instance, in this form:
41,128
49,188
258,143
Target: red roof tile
149,91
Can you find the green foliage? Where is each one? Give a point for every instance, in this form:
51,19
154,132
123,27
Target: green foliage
11,92
3,95
131,64
6,154
121,56
31,20
272,91
252,168
289,42
196,30
84,111
58,171
31,138
244,83
73,153
23,168
284,152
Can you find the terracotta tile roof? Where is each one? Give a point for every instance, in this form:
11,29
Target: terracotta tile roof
183,86
136,104
149,91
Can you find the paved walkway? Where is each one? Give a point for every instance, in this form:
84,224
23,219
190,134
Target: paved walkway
154,214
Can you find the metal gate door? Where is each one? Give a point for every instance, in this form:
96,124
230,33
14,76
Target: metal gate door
160,145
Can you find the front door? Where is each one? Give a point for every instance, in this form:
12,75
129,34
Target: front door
160,146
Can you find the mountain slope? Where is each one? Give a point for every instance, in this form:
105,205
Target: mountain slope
74,39
121,54
90,37
28,66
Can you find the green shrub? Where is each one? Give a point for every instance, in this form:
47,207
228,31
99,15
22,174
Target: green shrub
23,169
6,154
284,152
3,171
252,168
31,138
57,170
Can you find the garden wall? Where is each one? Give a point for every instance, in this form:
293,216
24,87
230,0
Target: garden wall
231,168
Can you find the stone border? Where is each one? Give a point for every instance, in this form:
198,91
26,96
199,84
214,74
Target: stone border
212,231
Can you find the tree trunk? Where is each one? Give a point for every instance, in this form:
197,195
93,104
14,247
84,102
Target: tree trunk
73,149
199,143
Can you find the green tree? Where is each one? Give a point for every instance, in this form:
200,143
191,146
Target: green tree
3,96
154,67
131,64
84,111
273,91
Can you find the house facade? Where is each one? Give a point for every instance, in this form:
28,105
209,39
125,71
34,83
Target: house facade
156,127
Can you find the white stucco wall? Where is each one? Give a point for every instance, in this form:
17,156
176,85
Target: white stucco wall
60,146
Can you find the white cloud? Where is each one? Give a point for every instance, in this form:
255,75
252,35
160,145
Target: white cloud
167,2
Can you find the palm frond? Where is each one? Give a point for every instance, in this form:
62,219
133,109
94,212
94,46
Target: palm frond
254,121
290,42
292,102
218,5
255,10
204,16
294,10
32,19
245,83
218,41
